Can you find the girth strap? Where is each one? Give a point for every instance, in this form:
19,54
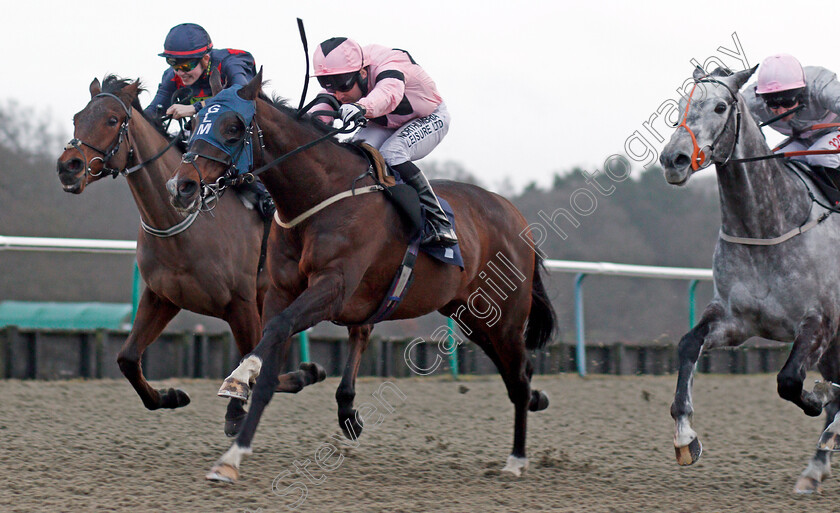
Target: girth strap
775,240
324,204
399,286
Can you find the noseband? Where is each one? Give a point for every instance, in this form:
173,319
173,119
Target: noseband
699,158
110,152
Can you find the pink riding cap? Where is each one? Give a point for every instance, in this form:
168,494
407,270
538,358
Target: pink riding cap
780,72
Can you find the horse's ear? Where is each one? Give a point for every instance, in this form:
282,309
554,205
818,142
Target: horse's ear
215,82
131,90
95,87
698,73
740,78
252,88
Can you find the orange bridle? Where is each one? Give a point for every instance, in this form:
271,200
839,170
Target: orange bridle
698,156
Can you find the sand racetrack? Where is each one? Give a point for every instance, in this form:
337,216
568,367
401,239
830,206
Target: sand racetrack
603,445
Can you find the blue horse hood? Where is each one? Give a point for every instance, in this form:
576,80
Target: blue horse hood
228,103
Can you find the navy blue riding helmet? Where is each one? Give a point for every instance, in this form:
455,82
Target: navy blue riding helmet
186,41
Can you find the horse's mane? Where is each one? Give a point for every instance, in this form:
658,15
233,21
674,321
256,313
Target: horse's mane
114,84
282,104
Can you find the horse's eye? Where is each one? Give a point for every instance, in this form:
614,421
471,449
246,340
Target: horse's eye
112,121
232,134
720,108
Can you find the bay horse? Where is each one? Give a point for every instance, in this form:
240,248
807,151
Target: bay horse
206,264
338,263
775,266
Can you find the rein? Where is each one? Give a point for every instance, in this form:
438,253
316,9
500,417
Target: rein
232,176
698,159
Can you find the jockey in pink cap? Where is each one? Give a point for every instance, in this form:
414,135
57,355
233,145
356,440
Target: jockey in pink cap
783,85
406,114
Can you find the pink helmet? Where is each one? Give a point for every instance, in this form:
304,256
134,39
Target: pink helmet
338,55
780,72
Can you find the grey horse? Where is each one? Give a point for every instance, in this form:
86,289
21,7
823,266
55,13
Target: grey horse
776,264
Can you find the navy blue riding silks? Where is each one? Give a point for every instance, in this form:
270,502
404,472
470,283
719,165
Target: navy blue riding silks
225,104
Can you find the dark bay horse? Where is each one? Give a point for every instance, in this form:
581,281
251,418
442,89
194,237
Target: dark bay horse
776,266
338,263
210,267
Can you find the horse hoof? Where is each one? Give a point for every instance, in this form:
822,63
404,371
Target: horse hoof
223,473
173,398
539,401
351,426
235,389
829,441
689,454
313,369
232,426
807,485
516,466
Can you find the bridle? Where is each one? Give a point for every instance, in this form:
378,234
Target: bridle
232,176
112,150
699,158
122,135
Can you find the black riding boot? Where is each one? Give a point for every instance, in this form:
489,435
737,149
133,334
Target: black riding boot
442,232
256,194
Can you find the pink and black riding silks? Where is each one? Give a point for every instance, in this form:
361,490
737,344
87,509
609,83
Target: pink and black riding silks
397,89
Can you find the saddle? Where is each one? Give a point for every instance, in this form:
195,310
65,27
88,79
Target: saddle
403,196
384,174
826,179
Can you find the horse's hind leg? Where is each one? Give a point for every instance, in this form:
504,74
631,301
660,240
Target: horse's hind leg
812,338
153,314
346,391
506,348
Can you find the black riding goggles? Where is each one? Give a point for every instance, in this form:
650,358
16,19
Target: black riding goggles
184,65
339,83
784,100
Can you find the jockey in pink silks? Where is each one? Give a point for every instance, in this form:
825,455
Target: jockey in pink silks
783,85
406,115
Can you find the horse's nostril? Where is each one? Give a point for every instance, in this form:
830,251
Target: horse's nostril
73,165
682,160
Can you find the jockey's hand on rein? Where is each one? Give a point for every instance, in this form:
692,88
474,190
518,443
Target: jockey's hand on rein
352,113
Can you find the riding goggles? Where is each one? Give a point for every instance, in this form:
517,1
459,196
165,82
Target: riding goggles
339,83
182,65
781,100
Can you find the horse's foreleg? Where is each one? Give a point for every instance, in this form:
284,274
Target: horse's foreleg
686,444
819,467
808,346
322,300
346,391
153,314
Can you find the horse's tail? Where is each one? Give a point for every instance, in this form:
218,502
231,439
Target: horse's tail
542,320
